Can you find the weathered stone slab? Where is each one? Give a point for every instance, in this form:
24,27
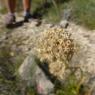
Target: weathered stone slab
34,76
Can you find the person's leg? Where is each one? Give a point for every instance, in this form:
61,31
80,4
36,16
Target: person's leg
27,7
10,18
11,4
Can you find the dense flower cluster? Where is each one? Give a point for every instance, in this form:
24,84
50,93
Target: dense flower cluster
56,47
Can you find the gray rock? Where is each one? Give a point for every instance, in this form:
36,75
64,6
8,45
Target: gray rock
65,18
64,23
34,76
67,14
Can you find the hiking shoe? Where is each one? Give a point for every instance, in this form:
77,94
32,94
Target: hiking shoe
27,17
9,20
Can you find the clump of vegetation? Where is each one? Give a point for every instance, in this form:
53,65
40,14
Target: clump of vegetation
10,84
31,91
73,84
83,12
8,80
2,7
56,47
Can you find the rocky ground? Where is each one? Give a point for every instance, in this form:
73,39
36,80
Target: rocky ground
21,41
